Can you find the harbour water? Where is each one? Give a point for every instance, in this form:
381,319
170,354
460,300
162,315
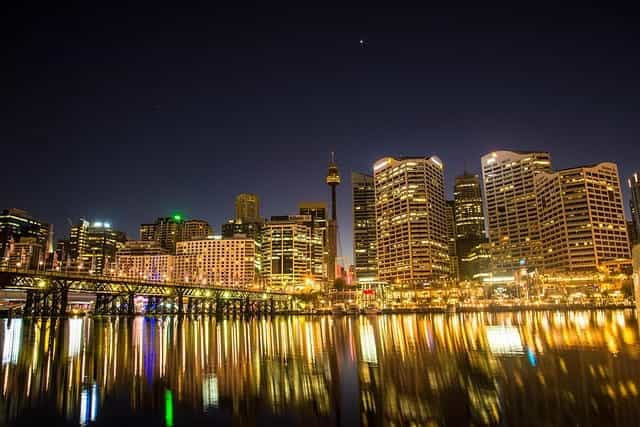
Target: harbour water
528,368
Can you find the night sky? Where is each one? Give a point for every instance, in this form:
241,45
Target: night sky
129,114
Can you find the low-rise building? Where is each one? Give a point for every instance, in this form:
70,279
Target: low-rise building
144,260
216,261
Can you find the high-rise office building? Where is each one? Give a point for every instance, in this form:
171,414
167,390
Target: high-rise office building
248,208
582,222
194,229
451,240
634,239
333,180
290,251
469,212
411,221
317,214
634,204
469,222
216,261
511,207
166,231
364,226
248,229
144,260
15,225
93,246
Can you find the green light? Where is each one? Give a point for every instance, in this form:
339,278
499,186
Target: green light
168,408
177,217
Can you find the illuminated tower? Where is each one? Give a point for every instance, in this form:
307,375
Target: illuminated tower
511,207
411,221
332,180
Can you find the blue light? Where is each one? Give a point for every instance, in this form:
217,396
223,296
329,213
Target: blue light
532,357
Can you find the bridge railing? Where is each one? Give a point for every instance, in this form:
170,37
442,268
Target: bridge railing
132,281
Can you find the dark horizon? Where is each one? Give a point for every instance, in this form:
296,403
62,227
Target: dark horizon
130,114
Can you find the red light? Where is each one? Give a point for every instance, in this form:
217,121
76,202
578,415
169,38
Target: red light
369,291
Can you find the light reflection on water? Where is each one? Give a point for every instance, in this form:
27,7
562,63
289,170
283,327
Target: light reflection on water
562,368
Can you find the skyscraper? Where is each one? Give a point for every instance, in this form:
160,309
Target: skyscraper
289,245
451,240
247,208
333,180
93,246
364,226
469,222
317,214
582,221
469,212
16,225
634,203
194,229
166,231
411,222
511,207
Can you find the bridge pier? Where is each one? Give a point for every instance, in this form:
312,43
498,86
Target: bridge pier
180,305
131,309
28,303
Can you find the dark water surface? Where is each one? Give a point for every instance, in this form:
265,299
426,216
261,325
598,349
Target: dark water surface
542,369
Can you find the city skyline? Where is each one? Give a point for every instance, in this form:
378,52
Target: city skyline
126,141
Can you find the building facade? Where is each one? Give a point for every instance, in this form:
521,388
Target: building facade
634,204
166,231
364,227
144,260
93,246
290,251
511,207
194,229
317,214
248,208
216,262
451,240
411,222
16,225
469,222
582,222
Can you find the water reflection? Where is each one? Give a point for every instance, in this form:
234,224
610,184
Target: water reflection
521,368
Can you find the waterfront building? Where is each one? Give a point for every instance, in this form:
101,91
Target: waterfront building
364,227
511,207
17,224
93,246
289,246
451,241
477,262
248,208
411,222
63,255
333,180
317,214
144,260
469,212
633,236
582,220
634,204
25,254
469,221
216,261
